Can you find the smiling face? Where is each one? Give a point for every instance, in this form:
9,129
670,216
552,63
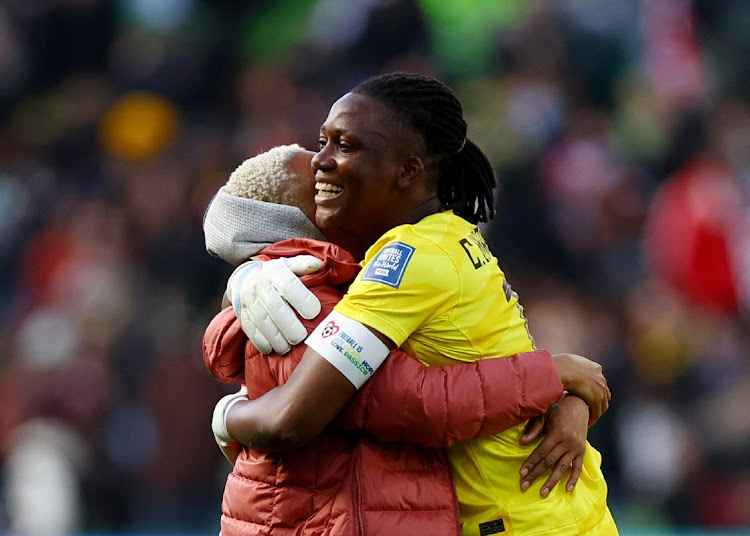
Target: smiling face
366,159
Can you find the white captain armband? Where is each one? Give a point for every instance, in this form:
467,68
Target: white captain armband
349,346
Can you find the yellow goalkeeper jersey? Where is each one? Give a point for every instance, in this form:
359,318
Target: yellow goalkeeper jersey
435,289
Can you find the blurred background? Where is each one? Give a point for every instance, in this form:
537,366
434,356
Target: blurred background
619,129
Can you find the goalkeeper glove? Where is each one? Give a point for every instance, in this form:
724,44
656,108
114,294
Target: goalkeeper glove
229,447
263,294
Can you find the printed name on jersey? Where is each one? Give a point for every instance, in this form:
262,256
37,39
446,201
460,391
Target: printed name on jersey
389,264
476,248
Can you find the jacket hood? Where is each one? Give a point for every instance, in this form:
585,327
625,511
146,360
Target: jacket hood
236,228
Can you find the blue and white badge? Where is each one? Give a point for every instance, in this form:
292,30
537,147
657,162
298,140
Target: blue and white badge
389,264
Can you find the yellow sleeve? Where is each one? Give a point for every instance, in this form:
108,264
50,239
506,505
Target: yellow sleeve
407,280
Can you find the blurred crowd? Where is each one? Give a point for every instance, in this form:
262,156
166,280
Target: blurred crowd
620,132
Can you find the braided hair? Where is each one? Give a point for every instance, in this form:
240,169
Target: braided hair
465,178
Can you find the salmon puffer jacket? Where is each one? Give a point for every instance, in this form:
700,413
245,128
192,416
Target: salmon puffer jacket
380,468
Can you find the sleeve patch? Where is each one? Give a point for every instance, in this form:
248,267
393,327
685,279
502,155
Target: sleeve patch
389,264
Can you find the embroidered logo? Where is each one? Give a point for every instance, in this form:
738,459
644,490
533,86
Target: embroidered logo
389,264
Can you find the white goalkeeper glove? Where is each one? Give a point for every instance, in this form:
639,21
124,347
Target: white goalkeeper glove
229,447
261,293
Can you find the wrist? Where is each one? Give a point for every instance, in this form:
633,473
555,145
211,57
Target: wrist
236,280
229,421
575,401
562,365
219,420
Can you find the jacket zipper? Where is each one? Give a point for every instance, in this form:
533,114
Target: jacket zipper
455,495
357,502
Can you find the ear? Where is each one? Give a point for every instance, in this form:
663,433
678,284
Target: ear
413,169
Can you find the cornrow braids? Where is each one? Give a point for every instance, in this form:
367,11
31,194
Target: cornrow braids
465,179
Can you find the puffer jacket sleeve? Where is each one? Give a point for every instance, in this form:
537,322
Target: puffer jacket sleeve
437,406
224,347
407,401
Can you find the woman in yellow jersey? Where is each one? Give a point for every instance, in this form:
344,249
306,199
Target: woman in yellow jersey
400,184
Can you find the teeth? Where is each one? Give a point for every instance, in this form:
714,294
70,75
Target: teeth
327,190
